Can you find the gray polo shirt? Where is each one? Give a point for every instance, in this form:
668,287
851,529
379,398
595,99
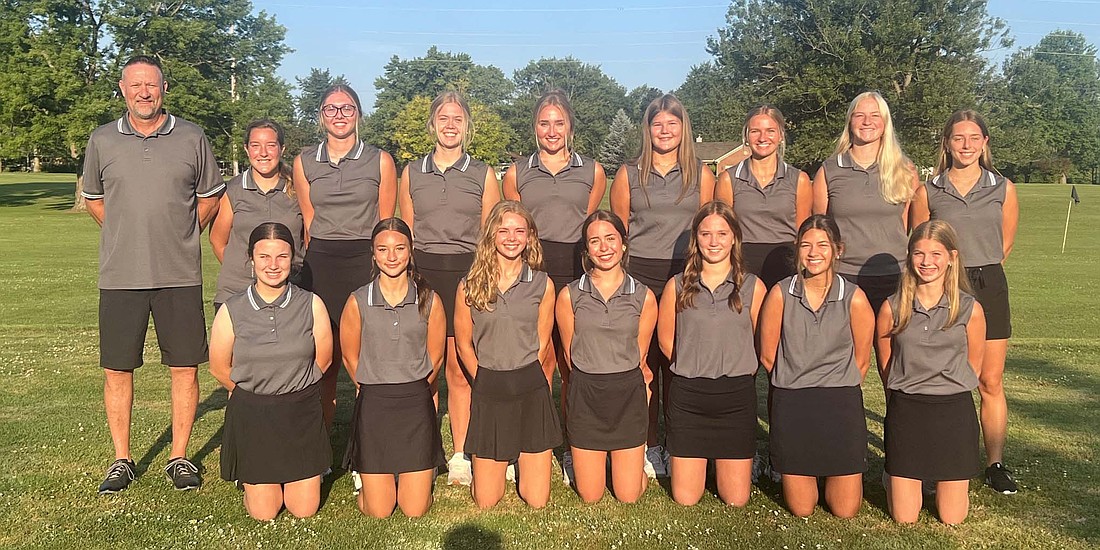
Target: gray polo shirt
872,229
816,349
149,186
928,359
507,338
447,204
659,226
344,194
394,345
251,207
713,340
558,202
605,333
766,213
273,347
976,217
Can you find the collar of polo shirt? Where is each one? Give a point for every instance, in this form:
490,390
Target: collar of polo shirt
258,302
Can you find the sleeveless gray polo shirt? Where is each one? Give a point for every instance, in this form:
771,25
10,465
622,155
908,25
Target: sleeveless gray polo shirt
558,202
977,217
394,344
713,340
273,347
816,349
872,229
344,194
446,204
766,213
507,338
928,359
605,333
659,226
251,207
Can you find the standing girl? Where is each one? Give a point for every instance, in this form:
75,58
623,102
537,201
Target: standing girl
606,319
269,346
393,334
866,186
816,331
930,339
771,198
658,195
504,313
344,187
981,205
445,197
260,194
705,327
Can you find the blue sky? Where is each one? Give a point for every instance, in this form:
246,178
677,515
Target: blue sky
636,42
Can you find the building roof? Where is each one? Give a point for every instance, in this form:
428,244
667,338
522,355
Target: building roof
714,151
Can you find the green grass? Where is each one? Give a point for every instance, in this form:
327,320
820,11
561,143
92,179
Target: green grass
55,445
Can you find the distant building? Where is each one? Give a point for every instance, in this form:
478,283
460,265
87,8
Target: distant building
720,155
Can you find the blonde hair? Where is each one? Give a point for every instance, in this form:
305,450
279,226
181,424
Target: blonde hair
556,98
893,166
964,115
456,98
689,163
484,274
953,283
775,114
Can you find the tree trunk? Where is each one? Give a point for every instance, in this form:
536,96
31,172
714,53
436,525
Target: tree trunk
78,201
36,164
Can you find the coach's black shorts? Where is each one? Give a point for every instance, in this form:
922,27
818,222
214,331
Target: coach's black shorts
177,315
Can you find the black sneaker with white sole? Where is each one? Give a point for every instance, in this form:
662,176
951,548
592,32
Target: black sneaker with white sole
119,475
1000,479
183,474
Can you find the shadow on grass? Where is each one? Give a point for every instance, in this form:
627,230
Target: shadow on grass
53,196
473,537
214,401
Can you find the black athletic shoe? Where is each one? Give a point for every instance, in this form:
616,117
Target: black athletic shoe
183,474
1000,479
119,475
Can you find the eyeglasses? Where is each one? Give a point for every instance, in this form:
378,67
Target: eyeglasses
346,110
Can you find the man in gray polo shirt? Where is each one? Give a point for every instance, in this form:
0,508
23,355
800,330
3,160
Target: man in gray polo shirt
151,182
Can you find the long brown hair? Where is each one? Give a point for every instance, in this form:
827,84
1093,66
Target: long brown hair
953,280
964,115
689,163
693,267
423,289
285,171
827,224
616,222
557,98
484,274
456,98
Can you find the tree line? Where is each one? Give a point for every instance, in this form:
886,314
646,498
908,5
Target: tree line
60,60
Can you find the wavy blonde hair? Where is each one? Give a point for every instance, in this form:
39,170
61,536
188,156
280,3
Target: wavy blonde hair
484,274
964,115
895,176
953,283
689,163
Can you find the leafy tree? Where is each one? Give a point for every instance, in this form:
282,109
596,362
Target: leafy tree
614,150
595,97
713,102
639,98
810,58
1046,109
488,143
310,89
436,72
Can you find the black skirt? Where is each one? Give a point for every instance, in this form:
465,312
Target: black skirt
443,272
607,412
818,431
511,412
771,262
654,273
712,417
931,437
335,269
562,262
394,430
274,438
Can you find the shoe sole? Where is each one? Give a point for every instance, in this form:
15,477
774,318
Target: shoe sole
110,491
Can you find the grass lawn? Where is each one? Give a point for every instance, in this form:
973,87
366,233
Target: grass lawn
55,445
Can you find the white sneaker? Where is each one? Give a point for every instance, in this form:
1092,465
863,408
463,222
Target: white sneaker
655,465
459,470
510,473
567,467
357,481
